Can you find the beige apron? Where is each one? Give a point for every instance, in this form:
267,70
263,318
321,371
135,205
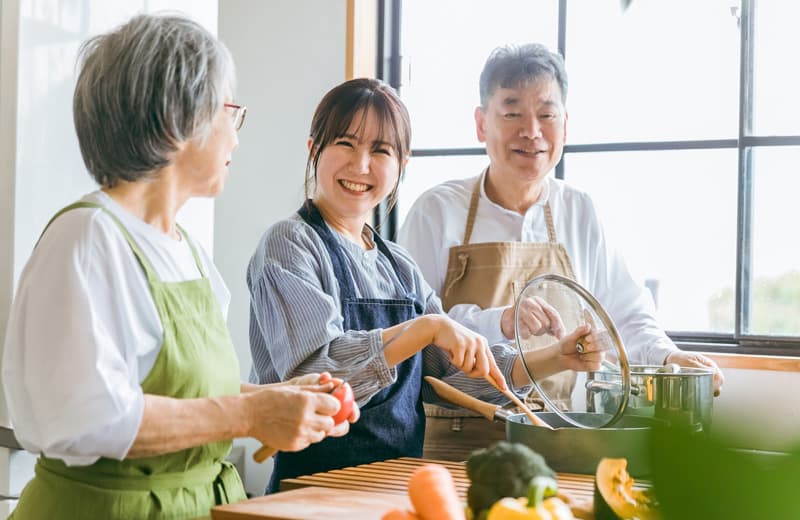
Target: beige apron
491,274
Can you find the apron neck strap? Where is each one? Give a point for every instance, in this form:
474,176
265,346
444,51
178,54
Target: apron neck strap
196,256
473,210
551,229
311,215
383,248
143,261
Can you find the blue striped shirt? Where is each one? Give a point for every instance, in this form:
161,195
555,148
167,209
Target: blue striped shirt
296,316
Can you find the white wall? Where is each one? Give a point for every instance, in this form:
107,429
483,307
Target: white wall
288,54
760,407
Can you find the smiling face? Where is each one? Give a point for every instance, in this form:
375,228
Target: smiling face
355,172
524,129
203,161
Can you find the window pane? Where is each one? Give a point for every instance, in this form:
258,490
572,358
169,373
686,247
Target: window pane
661,70
445,44
672,214
775,295
423,173
776,110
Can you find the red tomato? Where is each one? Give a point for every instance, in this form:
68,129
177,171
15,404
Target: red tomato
345,396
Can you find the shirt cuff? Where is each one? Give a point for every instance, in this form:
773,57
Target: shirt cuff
384,375
489,321
657,354
127,428
505,354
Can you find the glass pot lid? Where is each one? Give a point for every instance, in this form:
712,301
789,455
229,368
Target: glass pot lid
547,312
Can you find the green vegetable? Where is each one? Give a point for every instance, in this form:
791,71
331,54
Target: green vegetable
503,470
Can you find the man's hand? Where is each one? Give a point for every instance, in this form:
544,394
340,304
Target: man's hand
693,359
536,317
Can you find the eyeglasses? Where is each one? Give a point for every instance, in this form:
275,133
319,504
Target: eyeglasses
240,111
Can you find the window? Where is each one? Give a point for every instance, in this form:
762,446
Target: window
683,114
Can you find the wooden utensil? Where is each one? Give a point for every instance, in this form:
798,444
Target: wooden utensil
263,453
459,398
517,401
487,410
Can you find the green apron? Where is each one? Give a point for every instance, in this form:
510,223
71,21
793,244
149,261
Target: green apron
197,359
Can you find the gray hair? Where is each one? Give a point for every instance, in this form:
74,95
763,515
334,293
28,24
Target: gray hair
511,66
143,88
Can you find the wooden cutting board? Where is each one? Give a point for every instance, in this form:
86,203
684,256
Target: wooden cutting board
313,503
391,477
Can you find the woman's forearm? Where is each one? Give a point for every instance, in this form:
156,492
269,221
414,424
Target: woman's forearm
406,339
171,424
542,362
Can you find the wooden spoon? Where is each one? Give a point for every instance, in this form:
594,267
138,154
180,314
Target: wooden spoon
263,453
535,420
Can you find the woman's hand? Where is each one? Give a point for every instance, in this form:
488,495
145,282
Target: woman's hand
342,428
583,349
536,317
324,382
469,352
290,417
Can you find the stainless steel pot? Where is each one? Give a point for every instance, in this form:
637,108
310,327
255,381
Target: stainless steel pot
678,395
567,448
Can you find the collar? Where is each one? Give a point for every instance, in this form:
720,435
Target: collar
544,196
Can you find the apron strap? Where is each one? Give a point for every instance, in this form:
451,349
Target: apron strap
311,215
383,248
151,274
473,210
551,229
196,256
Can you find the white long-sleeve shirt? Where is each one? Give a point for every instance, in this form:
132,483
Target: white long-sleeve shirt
436,222
83,332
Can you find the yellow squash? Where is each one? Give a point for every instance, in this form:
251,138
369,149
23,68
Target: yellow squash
614,495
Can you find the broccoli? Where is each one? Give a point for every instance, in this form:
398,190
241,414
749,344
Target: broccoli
502,470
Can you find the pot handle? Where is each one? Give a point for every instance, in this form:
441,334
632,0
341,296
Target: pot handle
457,397
596,385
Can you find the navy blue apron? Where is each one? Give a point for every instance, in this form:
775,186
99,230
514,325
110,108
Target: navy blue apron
392,422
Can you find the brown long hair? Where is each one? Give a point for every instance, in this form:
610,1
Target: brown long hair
340,106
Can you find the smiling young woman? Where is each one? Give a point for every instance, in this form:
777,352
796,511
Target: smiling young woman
328,293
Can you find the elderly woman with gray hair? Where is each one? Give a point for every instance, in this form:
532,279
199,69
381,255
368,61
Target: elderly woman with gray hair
118,367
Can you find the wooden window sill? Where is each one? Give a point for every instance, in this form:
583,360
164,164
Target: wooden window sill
755,362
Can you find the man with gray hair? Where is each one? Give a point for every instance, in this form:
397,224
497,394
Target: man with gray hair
479,240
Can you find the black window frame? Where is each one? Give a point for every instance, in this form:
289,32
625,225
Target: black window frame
389,67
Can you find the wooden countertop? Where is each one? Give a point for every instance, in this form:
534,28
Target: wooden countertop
391,477
367,490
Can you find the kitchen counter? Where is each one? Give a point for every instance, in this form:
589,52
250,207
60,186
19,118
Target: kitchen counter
365,492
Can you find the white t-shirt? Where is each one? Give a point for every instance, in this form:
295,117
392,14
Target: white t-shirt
436,223
83,332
